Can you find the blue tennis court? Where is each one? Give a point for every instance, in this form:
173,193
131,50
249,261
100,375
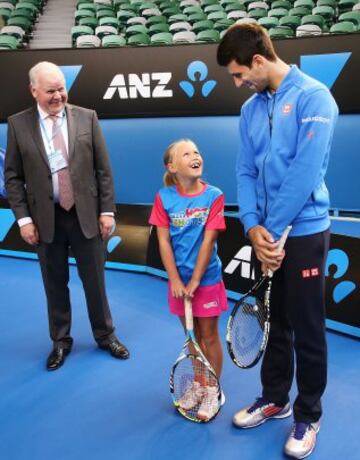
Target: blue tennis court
97,407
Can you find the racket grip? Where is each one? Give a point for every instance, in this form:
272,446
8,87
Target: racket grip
189,322
281,245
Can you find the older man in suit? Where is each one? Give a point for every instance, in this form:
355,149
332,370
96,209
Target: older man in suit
60,188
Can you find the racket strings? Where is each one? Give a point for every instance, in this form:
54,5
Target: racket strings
196,389
247,331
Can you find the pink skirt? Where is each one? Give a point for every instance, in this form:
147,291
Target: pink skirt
208,301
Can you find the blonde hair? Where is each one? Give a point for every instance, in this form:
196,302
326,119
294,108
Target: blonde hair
170,157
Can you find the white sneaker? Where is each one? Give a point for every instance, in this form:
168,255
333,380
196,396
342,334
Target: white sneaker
192,396
259,412
302,439
209,405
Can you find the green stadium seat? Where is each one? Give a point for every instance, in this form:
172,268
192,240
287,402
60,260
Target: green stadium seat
139,40
269,22
105,14
281,4
298,11
208,36
202,25
234,7
346,5
326,12
156,20
212,8
332,3
128,7
196,17
309,4
170,11
192,10
7,42
4,15
77,31
109,21
217,16
158,28
163,38
281,32
223,24
22,22
79,14
135,30
345,27
90,22
257,13
290,21
87,6
177,18
352,16
13,31
314,19
205,3
113,41
278,12
123,16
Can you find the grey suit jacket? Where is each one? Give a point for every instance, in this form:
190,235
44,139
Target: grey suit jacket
28,177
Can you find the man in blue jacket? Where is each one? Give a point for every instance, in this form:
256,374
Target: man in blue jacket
286,130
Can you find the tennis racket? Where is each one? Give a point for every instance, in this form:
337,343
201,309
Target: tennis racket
194,386
249,323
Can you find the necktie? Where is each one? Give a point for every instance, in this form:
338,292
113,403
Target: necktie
66,195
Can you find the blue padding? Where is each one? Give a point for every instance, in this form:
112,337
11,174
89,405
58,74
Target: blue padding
136,147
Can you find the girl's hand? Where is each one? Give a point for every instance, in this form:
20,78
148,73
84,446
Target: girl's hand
191,288
177,289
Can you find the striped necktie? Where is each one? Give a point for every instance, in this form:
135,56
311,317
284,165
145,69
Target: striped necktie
66,195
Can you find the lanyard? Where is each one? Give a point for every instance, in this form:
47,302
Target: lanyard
50,139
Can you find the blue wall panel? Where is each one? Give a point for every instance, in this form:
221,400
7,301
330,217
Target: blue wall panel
136,147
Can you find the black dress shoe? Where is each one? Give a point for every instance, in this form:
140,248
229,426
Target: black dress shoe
57,358
116,349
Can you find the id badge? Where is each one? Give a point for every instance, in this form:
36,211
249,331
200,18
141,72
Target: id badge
57,161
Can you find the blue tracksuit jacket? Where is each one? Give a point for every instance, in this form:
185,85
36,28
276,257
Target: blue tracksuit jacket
285,140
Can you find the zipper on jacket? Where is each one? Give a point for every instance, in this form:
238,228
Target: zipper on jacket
270,114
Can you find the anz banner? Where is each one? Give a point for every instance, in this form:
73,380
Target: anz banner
174,80
133,246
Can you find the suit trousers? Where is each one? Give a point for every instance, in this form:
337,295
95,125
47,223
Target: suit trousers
90,259
297,307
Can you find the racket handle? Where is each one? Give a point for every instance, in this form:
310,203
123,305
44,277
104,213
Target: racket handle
189,322
281,245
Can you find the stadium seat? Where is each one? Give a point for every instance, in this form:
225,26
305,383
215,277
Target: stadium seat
7,6
184,37
196,17
13,31
202,25
158,28
208,36
163,38
135,30
346,5
8,42
109,21
22,22
352,16
290,21
89,21
237,15
113,41
235,7
298,11
180,26
257,13
177,18
332,3
88,41
156,20
309,4
87,6
326,12
4,15
281,32
268,23
278,12
79,14
223,24
217,16
136,20
101,31
258,5
307,30
77,31
139,40
281,4
344,27
313,19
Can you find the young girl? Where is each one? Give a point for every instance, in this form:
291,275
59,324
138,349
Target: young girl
189,214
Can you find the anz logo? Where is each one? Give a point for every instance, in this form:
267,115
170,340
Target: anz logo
146,85
241,260
338,261
156,85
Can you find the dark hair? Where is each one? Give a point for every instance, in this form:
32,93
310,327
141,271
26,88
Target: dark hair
241,42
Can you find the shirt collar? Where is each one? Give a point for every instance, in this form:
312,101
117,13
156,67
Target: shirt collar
44,115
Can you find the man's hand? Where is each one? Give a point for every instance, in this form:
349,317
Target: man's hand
265,248
30,234
106,224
